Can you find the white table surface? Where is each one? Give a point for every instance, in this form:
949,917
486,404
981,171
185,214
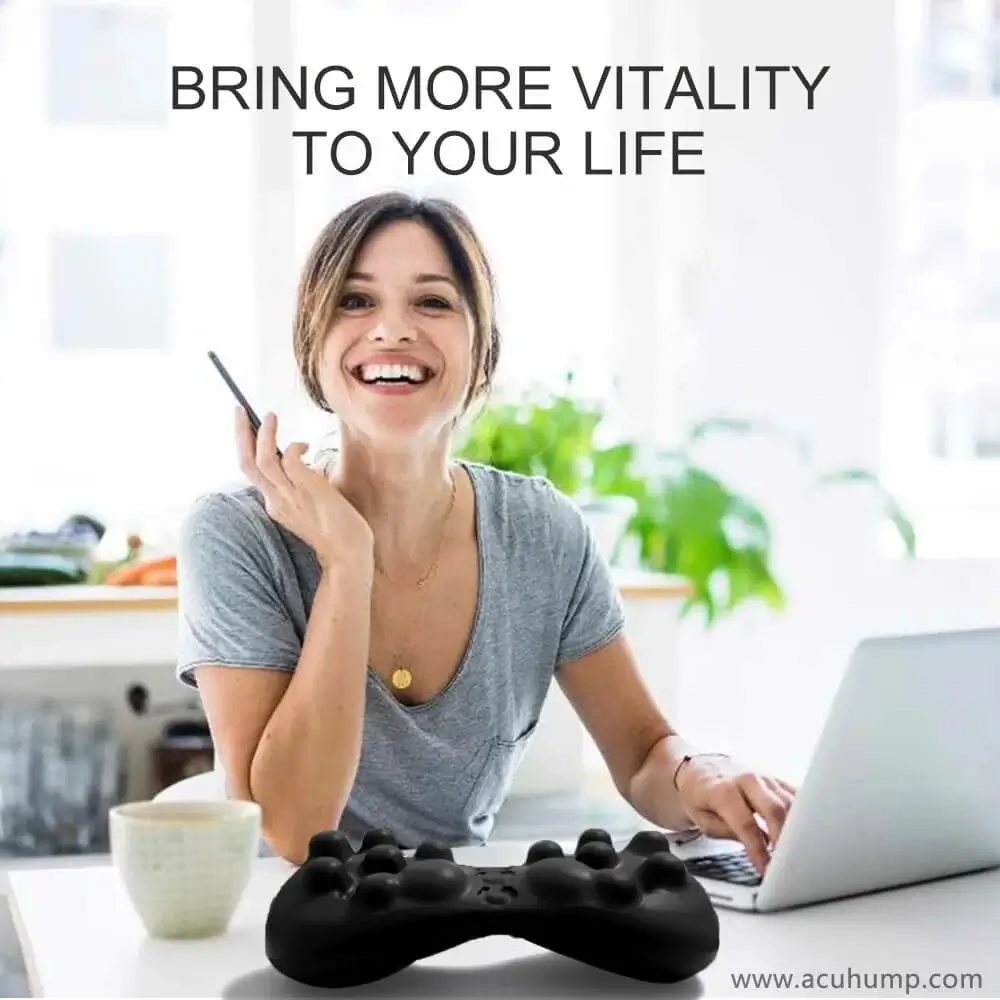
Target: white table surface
81,939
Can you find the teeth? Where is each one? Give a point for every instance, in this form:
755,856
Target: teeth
392,373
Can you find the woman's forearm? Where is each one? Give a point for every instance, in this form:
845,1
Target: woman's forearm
652,792
306,761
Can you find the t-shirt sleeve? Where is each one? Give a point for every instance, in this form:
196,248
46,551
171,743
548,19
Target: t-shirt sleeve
594,614
231,612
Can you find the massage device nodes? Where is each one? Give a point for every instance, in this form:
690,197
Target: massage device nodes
346,917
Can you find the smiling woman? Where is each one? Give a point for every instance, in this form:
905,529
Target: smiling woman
374,640
429,265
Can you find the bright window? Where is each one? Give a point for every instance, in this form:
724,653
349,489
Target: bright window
942,364
126,255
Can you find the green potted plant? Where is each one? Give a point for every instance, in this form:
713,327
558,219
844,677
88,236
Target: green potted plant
539,433
680,517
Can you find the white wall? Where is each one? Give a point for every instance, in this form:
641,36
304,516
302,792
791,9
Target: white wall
796,216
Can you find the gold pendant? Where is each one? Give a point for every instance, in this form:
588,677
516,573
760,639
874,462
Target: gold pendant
401,678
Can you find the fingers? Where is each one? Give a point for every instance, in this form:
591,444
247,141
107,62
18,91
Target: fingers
733,808
728,808
782,789
298,449
258,455
771,806
266,453
246,446
790,789
293,464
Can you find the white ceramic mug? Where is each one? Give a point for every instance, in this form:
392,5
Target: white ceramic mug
185,865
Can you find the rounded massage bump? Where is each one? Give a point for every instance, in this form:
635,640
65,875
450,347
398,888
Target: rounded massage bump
347,918
543,849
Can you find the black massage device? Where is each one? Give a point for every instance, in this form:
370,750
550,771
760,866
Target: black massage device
346,917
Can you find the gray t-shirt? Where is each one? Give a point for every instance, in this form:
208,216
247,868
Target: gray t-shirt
440,769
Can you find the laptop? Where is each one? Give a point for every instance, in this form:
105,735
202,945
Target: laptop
903,785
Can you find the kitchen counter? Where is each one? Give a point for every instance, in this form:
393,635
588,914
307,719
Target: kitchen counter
78,598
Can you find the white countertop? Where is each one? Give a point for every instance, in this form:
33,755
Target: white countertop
82,940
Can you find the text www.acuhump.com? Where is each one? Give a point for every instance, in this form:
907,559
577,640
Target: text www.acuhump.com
900,983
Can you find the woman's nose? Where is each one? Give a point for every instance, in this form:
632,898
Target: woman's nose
390,329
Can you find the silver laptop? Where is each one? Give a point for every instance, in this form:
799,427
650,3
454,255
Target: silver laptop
903,786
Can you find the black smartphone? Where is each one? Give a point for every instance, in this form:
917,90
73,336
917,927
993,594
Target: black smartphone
236,391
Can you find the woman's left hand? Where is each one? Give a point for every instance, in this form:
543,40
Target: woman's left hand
727,802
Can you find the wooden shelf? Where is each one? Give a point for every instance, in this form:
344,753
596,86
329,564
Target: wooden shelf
81,598
635,585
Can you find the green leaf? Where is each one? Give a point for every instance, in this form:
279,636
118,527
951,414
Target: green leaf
611,472
747,520
891,508
750,579
903,525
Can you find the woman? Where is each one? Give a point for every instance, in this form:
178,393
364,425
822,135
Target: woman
373,642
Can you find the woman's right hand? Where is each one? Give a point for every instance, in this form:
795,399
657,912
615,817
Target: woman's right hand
300,498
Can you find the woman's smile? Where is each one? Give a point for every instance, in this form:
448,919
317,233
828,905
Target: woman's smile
393,374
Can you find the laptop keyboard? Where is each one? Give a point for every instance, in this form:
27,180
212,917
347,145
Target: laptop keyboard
735,868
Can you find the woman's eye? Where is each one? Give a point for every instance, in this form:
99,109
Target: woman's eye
435,302
354,300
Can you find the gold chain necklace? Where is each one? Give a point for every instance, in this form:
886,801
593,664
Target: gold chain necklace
402,677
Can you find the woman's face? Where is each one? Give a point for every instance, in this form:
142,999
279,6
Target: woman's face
397,360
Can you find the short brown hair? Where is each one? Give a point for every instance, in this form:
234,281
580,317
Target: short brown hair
337,247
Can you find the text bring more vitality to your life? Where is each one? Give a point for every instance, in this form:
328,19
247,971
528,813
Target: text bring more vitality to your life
497,88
